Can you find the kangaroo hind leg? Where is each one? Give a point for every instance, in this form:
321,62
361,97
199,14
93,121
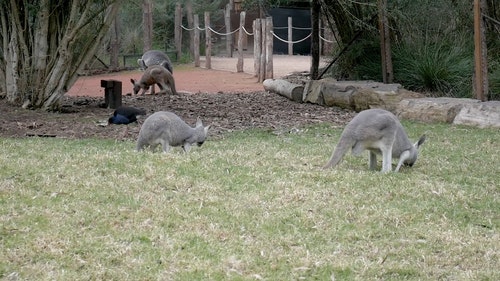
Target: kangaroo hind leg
386,158
372,160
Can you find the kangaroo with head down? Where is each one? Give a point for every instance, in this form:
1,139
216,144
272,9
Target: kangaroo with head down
380,132
168,129
155,74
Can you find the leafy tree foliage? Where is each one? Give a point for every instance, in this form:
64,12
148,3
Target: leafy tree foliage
432,42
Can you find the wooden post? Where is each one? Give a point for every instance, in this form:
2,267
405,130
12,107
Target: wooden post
208,42
269,48
257,43
315,40
147,23
190,20
178,30
112,93
229,36
290,37
480,53
196,42
385,43
262,60
239,65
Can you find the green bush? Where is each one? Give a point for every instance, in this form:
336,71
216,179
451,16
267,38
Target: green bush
442,68
494,84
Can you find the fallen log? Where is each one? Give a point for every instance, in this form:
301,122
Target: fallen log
282,87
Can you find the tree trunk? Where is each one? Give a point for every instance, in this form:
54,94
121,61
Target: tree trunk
40,60
115,46
178,30
147,24
315,40
291,91
191,26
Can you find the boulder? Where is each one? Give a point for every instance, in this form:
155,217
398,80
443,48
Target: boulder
480,114
432,109
387,97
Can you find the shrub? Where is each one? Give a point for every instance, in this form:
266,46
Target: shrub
443,68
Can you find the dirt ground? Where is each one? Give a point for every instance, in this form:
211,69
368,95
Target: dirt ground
226,100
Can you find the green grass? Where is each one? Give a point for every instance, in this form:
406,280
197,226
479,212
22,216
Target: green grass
251,205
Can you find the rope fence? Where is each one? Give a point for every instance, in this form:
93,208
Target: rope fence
263,35
251,34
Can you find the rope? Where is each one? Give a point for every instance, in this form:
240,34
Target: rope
288,42
222,34
251,34
326,40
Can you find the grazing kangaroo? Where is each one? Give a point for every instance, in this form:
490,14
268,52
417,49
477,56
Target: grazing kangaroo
168,129
380,132
155,74
154,57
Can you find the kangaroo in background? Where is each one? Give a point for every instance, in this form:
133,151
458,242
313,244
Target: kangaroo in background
154,57
155,74
168,129
380,132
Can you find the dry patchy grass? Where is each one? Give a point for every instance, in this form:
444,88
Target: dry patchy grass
251,205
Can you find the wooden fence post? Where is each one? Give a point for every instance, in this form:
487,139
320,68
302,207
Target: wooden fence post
257,44
178,30
239,65
208,42
229,37
269,48
196,43
290,37
262,59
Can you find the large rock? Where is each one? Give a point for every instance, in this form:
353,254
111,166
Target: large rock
387,97
356,95
481,114
432,109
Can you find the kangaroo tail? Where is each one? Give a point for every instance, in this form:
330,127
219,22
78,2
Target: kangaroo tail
343,146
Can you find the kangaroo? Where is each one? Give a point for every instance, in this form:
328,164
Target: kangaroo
380,132
168,129
154,57
155,74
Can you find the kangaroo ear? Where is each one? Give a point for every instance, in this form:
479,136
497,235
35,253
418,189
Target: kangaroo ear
206,129
420,141
132,80
198,122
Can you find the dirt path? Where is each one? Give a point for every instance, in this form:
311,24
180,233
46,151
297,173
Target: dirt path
221,78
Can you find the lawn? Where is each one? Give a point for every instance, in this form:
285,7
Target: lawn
251,205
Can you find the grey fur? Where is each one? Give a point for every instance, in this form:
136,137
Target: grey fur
168,129
155,74
380,132
154,57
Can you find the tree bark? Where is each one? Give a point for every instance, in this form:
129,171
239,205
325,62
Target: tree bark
40,60
115,46
291,91
315,14
208,42
191,26
147,24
